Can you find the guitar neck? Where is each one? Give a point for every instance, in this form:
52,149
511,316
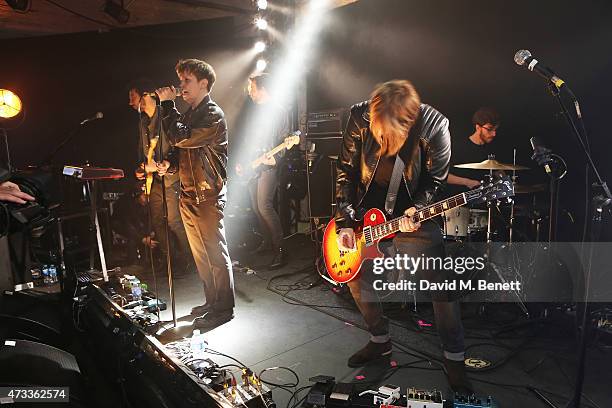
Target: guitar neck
268,153
392,226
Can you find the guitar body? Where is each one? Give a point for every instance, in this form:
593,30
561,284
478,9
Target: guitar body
150,152
343,266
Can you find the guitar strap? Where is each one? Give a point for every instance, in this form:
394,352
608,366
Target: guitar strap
396,176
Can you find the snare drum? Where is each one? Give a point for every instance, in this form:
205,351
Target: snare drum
461,222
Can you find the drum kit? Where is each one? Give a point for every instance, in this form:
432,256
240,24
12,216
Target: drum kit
470,224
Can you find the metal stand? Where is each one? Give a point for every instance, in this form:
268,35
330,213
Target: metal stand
92,190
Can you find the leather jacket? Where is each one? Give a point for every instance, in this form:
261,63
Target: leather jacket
426,153
200,138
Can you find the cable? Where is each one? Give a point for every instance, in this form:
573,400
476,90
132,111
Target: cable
297,378
80,15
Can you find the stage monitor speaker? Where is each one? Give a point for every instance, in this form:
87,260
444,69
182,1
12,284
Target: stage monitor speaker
322,155
27,363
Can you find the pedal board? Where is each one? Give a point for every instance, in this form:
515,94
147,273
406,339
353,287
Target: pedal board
416,398
473,401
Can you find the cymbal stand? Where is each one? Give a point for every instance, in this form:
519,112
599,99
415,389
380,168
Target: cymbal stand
512,201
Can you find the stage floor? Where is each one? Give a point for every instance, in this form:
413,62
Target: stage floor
290,318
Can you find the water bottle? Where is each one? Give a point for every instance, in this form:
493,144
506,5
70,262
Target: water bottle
52,274
136,291
198,344
45,272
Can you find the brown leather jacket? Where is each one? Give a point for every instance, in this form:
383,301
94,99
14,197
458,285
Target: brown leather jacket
200,138
426,153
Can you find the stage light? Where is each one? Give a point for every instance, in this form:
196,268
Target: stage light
116,11
261,64
21,6
260,46
10,104
261,23
262,4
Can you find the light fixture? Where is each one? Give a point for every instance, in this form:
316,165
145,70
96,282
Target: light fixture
261,23
10,104
262,4
261,64
259,46
21,6
117,11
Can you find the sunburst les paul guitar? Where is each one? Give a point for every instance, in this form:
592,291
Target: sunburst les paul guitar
344,266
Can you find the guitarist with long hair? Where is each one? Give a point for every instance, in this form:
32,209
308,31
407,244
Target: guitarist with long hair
395,122
142,99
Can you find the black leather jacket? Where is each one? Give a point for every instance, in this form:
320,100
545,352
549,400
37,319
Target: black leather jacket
200,138
426,153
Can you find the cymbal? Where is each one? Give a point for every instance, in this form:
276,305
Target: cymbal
527,189
491,164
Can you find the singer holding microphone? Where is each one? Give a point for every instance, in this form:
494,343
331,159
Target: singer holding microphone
200,138
142,98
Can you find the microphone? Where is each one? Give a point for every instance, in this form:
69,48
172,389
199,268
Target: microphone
524,57
178,91
98,115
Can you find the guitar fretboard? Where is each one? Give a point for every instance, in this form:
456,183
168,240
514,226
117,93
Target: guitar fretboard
380,231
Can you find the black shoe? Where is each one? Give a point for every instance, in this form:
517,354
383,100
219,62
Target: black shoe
201,309
264,246
372,351
213,319
457,377
278,260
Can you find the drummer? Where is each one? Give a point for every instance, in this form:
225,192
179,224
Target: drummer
474,148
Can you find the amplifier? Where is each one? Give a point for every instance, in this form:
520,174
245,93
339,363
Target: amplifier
325,122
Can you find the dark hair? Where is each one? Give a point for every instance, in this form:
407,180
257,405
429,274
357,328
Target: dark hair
200,69
261,80
486,115
141,85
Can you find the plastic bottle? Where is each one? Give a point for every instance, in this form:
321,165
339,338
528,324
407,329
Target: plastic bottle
45,272
198,344
52,274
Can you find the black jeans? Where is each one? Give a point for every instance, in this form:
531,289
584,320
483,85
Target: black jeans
425,241
262,191
178,237
206,234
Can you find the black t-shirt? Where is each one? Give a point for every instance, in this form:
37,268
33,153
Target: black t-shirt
465,151
377,193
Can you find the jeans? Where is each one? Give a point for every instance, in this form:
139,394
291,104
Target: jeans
425,241
206,234
262,191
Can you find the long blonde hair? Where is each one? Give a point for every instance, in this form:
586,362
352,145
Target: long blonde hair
394,107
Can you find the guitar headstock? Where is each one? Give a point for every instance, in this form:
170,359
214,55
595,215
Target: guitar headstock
292,140
498,189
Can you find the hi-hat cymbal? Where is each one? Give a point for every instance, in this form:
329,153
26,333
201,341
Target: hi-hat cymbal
491,164
526,188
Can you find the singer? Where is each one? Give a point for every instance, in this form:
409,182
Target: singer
200,137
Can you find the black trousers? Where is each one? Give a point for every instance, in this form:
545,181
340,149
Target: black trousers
262,191
206,234
178,238
427,241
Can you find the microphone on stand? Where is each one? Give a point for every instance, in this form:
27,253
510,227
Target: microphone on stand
524,58
98,115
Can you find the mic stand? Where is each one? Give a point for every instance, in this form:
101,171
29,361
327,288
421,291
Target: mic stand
165,212
599,201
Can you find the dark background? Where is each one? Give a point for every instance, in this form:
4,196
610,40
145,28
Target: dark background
459,55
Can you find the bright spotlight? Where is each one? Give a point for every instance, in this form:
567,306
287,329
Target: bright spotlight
10,104
260,46
262,4
261,64
261,23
